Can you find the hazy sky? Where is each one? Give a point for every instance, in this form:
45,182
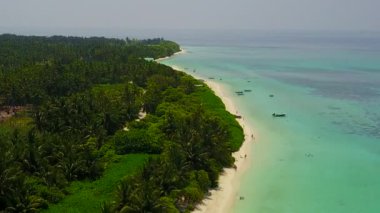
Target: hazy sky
193,14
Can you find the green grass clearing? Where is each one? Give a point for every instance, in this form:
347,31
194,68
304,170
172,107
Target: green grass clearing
87,196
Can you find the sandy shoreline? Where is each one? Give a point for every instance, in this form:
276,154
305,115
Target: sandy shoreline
222,199
177,53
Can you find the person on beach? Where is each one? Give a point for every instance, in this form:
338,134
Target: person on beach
253,137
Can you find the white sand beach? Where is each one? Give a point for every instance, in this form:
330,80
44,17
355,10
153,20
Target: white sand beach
221,200
177,53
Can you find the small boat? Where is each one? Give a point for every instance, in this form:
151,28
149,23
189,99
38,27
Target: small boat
247,90
239,92
279,115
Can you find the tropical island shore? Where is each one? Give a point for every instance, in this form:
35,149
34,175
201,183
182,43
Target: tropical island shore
222,199
75,153
182,51
77,108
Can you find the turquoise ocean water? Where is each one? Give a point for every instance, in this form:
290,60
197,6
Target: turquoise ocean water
325,155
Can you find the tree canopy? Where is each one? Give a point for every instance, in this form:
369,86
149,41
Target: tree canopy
80,101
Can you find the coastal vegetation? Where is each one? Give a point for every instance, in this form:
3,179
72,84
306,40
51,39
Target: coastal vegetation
73,139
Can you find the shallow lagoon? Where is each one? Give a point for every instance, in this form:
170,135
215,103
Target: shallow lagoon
324,156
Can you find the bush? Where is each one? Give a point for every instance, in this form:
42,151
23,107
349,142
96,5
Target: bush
203,180
134,141
51,194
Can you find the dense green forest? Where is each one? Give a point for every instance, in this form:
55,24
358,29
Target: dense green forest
72,134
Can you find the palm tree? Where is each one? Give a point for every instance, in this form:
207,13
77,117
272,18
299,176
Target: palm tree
142,194
107,207
31,154
125,192
70,161
8,176
22,199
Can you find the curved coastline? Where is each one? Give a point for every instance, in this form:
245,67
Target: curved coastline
222,199
182,51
